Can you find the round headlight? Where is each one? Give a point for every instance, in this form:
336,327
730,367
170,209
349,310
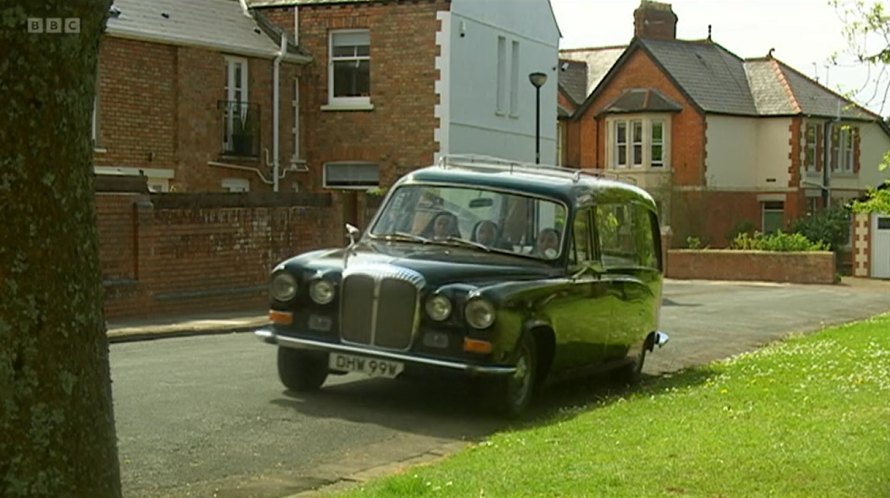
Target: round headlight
283,287
321,291
438,308
479,313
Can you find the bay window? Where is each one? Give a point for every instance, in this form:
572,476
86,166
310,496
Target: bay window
640,142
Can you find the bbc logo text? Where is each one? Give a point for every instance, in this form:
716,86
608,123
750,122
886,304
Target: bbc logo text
54,25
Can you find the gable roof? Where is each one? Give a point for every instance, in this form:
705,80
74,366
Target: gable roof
712,77
573,80
717,81
219,25
598,60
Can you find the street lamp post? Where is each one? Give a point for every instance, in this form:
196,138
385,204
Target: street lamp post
538,80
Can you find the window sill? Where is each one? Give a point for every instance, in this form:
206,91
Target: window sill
100,150
235,157
844,174
348,107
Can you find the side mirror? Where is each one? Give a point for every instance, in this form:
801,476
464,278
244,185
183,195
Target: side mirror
351,230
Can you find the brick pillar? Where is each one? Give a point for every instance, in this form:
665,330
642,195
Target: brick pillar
666,234
861,249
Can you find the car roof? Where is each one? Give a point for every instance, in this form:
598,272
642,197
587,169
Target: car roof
569,185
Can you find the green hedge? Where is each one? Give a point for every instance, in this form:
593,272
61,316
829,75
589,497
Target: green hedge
777,242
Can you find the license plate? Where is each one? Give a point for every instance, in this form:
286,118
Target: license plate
374,367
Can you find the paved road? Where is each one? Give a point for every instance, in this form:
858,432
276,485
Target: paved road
205,416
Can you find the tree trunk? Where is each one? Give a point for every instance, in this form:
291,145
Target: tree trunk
56,423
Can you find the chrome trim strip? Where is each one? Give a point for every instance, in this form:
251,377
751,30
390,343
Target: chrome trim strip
271,337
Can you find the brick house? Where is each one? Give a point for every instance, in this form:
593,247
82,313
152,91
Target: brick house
186,97
721,142
394,84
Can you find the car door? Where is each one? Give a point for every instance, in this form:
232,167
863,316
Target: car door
629,258
581,318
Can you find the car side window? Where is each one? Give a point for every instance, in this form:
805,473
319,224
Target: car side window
581,246
626,236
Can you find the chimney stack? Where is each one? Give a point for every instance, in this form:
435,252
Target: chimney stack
655,20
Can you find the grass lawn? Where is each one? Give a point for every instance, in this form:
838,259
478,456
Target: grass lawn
807,417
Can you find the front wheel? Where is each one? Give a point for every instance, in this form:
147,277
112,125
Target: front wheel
511,395
302,370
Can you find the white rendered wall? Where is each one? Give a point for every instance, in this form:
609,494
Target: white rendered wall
748,153
468,95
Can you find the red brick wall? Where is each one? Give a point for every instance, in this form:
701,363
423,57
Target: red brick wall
710,215
398,133
159,108
801,267
116,228
161,255
137,103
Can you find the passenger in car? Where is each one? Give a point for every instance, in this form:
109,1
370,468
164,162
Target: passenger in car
547,243
442,226
485,232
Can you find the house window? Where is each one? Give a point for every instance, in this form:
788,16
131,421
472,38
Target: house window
514,80
638,142
773,216
842,149
236,185
847,150
637,127
350,67
809,158
620,144
235,108
350,175
656,146
501,101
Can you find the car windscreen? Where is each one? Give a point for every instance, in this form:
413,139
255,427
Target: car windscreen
501,221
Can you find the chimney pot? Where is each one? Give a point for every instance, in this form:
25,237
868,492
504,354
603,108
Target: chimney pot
655,20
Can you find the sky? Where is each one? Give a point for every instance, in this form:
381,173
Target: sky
804,34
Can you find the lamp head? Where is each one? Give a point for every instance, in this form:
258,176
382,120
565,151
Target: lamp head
537,79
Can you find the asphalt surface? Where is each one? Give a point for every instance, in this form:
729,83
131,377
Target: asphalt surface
204,415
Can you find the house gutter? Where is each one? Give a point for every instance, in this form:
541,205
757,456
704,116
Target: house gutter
276,74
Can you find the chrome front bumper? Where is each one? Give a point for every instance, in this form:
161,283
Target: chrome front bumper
270,337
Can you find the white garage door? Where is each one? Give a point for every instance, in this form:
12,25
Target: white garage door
880,245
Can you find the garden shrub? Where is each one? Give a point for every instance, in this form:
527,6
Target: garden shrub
830,226
776,242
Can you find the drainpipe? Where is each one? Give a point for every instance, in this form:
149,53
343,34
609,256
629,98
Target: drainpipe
275,111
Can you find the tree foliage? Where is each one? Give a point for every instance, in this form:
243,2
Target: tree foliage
878,202
867,30
57,433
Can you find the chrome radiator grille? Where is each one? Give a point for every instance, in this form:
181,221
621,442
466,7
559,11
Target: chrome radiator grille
379,305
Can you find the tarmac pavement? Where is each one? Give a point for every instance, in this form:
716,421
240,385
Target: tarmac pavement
695,341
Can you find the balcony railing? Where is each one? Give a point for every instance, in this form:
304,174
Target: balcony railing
241,128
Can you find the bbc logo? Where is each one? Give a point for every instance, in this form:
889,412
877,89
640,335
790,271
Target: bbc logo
54,25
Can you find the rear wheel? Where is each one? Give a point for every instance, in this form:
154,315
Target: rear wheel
301,370
511,395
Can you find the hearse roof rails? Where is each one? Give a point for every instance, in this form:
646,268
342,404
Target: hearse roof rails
478,161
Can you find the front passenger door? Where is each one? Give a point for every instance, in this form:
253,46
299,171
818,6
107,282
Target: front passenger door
582,319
